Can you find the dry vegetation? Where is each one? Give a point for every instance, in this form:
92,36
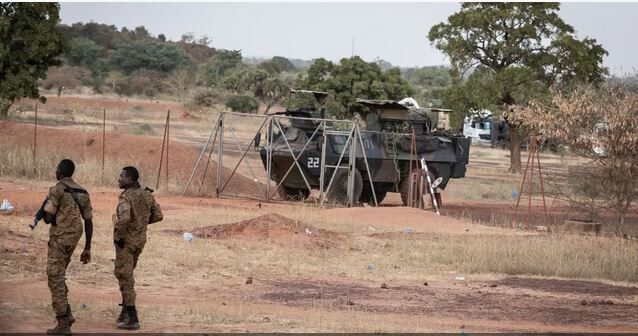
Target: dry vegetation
199,285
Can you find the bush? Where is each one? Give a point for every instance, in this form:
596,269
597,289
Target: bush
205,98
243,104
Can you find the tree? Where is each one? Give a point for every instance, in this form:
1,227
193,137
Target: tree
219,65
86,53
64,77
277,65
600,123
153,56
515,51
30,44
181,81
354,78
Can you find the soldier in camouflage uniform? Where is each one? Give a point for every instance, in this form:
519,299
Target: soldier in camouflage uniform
67,205
136,209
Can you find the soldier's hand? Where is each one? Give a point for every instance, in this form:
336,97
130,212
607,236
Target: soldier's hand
119,243
85,258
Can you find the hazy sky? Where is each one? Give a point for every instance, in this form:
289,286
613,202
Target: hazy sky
395,32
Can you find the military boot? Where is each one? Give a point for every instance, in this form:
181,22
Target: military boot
123,317
63,326
69,313
132,322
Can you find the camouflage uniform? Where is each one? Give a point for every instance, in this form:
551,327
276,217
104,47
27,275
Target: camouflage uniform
64,236
136,209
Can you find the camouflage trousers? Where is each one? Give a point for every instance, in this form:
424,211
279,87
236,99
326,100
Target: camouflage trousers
58,257
125,263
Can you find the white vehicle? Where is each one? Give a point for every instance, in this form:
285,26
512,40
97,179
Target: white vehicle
478,126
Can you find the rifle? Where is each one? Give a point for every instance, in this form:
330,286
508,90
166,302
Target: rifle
39,215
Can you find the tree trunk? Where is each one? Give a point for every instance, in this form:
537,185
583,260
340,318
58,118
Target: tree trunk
515,149
4,109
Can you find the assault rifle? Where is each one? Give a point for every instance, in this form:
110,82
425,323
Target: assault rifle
39,215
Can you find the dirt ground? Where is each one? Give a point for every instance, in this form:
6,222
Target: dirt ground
280,302
310,269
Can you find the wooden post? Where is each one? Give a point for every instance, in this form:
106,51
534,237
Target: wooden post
103,138
159,171
35,135
168,141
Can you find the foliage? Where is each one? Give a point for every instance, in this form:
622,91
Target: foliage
242,103
65,77
181,81
86,53
601,123
203,97
219,65
160,57
513,52
354,78
29,45
277,65
143,82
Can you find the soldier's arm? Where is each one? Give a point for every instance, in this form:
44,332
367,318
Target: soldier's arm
87,212
51,207
156,212
123,217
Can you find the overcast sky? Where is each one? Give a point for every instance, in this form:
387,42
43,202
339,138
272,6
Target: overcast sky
395,32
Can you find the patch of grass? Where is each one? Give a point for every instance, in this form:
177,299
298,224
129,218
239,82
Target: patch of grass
17,162
143,129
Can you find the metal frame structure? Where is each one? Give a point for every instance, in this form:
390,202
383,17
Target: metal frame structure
217,136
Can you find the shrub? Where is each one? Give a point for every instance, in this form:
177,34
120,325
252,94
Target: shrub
243,104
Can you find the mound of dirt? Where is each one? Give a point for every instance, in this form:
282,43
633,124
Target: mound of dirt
275,229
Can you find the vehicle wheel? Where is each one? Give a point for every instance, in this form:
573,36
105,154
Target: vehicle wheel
366,195
339,190
293,194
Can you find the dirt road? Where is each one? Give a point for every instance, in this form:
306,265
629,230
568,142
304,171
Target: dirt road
183,294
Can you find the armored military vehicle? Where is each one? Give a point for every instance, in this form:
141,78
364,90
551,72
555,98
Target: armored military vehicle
386,134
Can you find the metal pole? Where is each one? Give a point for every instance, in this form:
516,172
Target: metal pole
531,176
210,155
338,165
365,160
103,138
322,175
540,175
520,190
268,157
159,172
35,134
352,160
252,172
241,159
410,177
190,179
220,154
168,141
295,158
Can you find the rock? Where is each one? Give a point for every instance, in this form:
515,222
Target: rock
493,285
223,303
584,302
249,280
610,302
384,286
266,319
425,283
350,303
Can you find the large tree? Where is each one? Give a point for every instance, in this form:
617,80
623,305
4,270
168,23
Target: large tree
354,78
514,52
29,45
160,57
